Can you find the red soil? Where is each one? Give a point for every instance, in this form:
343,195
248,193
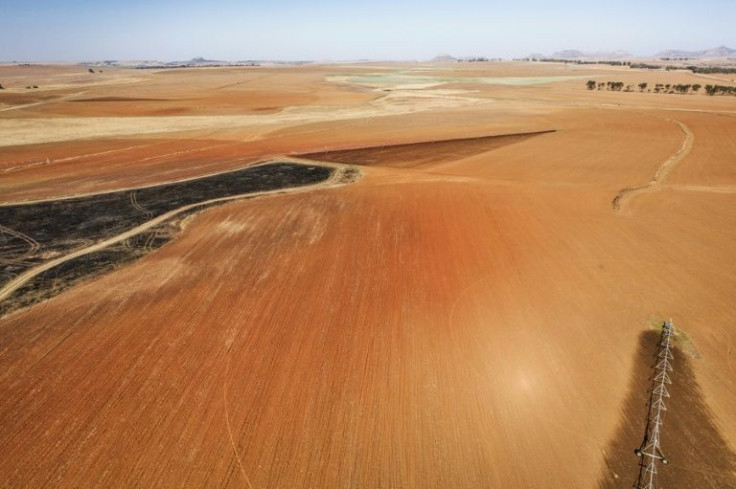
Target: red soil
475,323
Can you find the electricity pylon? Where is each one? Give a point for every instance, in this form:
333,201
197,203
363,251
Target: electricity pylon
650,450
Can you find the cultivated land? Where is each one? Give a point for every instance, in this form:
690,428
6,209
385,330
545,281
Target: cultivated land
476,310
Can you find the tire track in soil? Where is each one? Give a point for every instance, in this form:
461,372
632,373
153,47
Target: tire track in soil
153,184
21,165
227,418
137,206
63,98
149,215
10,287
33,245
729,357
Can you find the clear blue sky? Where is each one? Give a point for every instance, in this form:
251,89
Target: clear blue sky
78,30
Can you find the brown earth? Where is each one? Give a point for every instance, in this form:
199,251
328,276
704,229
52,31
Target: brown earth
414,155
475,322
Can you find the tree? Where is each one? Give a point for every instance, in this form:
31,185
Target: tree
91,70
590,84
696,87
720,90
2,87
642,86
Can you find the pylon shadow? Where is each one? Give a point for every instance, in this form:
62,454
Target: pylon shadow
698,454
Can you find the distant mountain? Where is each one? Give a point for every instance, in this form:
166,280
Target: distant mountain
203,61
568,54
576,55
444,58
719,52
675,53
599,55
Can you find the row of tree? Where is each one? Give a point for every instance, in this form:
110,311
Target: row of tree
662,88
712,69
679,88
28,87
576,61
614,86
720,90
723,70
477,59
727,70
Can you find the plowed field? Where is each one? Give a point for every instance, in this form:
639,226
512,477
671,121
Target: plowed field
467,314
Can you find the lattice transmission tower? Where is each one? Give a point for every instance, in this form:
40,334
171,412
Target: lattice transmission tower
650,450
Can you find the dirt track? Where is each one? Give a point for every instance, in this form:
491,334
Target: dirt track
10,287
619,202
432,327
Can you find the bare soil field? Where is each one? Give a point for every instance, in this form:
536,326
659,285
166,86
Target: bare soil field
474,311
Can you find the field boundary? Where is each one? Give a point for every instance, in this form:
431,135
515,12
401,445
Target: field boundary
338,178
254,164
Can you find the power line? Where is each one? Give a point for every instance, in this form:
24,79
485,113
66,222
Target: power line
650,450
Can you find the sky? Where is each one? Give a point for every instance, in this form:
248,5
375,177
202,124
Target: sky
331,30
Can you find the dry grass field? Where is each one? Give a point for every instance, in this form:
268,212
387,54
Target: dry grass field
476,310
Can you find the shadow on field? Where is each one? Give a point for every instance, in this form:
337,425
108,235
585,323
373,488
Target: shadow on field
417,155
698,454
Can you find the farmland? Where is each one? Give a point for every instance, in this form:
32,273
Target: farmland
67,233
476,310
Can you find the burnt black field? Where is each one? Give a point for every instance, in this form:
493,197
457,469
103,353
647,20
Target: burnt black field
46,230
